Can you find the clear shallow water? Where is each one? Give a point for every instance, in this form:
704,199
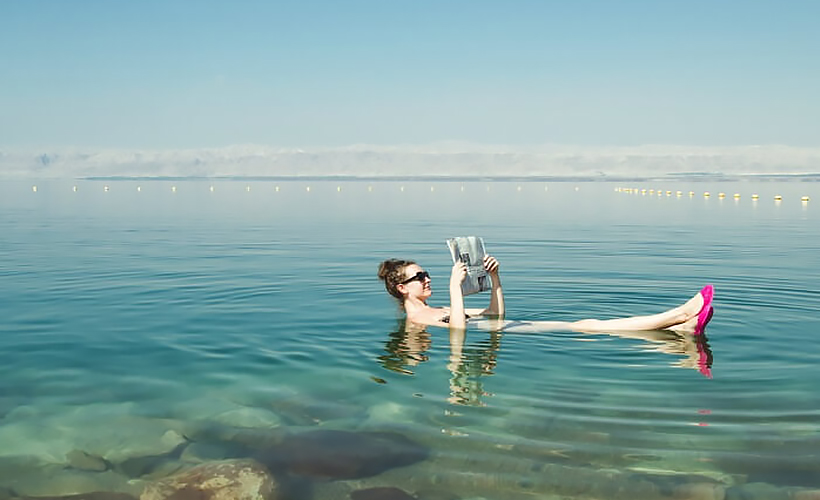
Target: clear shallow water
136,323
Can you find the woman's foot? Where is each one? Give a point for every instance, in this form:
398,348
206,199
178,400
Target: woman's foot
706,311
698,311
693,306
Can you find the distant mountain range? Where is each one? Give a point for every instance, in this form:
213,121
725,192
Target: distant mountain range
448,159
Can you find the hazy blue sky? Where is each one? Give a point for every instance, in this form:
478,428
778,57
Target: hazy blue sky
180,74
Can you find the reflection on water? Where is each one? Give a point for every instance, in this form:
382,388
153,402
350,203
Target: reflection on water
693,351
407,346
469,365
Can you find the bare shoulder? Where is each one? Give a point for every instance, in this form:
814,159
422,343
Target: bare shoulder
432,316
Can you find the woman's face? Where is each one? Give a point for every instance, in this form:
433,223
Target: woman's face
416,283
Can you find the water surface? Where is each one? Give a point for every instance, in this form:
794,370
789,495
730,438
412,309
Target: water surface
135,322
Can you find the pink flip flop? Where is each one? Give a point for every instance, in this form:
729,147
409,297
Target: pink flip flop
706,311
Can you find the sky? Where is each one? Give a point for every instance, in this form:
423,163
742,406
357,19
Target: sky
171,74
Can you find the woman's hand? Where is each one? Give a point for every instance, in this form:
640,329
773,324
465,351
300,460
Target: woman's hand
458,274
496,307
491,265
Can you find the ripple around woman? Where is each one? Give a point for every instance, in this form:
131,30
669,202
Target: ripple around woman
411,286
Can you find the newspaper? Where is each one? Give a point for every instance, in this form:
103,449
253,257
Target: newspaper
470,250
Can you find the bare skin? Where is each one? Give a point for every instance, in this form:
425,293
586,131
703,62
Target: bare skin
415,293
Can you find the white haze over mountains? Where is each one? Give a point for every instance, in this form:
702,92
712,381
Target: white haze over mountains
448,159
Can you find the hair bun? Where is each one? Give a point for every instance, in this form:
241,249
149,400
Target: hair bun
386,268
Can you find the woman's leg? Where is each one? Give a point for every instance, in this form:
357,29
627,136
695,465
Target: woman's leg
681,318
684,318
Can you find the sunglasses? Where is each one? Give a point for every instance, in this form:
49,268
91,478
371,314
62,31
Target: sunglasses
421,276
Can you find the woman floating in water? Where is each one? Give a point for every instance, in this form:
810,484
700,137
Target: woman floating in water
410,284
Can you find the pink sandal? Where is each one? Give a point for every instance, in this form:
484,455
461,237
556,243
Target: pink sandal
706,311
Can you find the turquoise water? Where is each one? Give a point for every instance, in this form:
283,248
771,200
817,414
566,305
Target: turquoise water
148,330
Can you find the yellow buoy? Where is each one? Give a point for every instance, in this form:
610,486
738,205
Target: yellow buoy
338,189
706,194
212,189
737,196
669,193
74,189
276,189
106,189
33,189
777,197
721,195
173,189
755,196
651,191
691,193
679,193
643,191
804,199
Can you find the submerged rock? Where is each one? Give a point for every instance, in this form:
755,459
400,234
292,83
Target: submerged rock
79,459
333,454
757,491
389,414
806,495
56,481
700,491
227,480
253,418
113,432
303,411
97,495
382,493
436,495
204,452
158,465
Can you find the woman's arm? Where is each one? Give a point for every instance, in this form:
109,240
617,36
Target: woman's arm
457,317
496,307
497,298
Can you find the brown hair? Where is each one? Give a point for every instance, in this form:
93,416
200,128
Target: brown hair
391,272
